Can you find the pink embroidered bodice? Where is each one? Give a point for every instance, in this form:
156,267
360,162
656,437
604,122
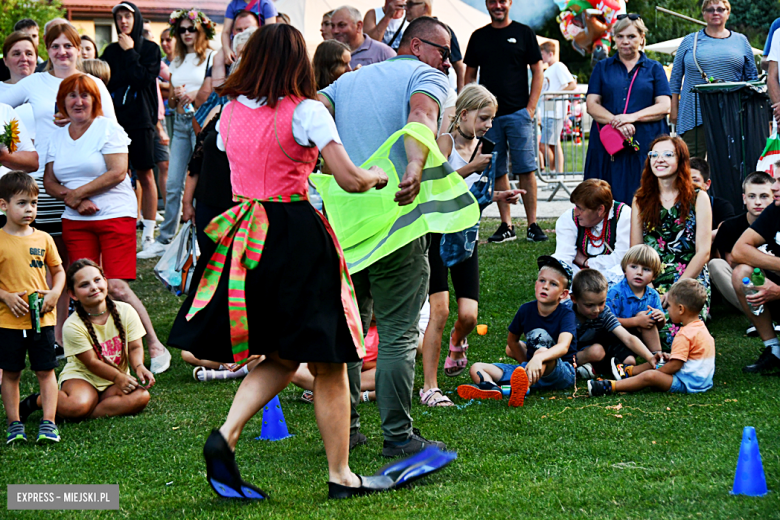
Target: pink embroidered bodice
265,160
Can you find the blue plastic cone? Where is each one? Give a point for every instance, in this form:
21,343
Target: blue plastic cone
750,479
274,425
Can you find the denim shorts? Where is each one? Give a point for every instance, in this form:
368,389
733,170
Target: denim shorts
678,387
561,378
551,130
514,138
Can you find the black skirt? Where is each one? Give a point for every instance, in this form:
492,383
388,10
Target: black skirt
293,297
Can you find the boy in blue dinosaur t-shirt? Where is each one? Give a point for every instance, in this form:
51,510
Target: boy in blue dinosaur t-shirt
546,357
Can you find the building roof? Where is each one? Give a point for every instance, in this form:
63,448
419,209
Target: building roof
151,9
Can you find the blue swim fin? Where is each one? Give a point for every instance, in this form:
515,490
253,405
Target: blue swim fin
414,467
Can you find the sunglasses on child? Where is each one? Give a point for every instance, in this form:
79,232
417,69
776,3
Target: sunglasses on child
190,29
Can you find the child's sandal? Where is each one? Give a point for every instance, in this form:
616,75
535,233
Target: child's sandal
430,398
455,367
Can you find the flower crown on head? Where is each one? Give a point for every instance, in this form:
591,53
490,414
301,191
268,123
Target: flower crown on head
196,17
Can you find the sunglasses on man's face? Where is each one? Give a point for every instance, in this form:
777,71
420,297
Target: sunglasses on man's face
445,51
631,16
190,29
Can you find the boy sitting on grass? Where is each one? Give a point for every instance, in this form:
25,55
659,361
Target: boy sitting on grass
636,305
690,366
600,336
545,363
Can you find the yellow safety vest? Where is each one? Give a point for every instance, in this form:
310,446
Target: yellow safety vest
371,225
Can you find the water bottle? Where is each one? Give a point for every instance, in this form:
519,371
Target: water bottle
748,288
506,390
189,110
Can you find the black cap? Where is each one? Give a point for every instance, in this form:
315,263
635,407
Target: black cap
558,265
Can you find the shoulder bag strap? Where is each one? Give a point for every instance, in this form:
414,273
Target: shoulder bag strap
397,33
695,61
628,98
208,62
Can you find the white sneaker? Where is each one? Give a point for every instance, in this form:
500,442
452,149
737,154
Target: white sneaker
146,243
160,363
586,371
158,218
156,249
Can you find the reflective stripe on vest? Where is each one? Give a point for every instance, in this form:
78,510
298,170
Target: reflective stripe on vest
371,225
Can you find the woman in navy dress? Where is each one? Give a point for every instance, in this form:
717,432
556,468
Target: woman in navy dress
645,118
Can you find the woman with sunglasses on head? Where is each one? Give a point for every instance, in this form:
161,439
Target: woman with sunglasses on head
192,30
721,55
630,93
671,215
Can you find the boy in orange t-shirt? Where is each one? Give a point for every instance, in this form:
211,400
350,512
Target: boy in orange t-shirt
691,365
25,252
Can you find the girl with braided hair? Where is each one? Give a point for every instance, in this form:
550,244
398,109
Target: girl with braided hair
102,340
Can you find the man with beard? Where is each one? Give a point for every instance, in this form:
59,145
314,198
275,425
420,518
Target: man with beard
502,53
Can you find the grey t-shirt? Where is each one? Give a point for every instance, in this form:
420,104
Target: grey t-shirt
373,103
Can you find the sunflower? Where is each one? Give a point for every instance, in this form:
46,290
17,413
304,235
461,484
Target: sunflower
10,135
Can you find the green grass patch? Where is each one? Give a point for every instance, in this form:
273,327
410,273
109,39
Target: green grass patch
562,455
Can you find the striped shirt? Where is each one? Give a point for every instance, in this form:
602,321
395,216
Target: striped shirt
727,59
695,347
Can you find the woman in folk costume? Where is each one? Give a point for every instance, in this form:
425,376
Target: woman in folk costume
596,233
278,265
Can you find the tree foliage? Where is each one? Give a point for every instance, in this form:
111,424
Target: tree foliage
11,11
750,17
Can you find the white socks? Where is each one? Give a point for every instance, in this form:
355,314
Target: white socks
148,229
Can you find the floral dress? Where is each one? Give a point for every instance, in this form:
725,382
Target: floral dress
674,239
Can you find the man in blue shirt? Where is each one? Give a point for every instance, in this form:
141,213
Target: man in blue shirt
369,105
768,46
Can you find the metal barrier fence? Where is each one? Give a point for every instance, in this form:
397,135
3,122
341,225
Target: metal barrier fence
563,113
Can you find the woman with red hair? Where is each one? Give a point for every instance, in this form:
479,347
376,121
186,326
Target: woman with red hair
86,168
673,217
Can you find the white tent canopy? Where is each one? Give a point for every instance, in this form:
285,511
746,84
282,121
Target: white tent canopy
306,16
671,46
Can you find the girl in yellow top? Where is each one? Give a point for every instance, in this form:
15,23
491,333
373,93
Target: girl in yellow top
102,340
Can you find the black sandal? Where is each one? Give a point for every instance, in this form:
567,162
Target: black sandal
222,471
368,485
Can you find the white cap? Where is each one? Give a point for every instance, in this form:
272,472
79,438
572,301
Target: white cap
123,5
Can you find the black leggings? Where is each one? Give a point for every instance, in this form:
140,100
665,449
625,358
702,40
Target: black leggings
465,275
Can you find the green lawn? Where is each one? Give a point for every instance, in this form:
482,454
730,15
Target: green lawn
560,456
